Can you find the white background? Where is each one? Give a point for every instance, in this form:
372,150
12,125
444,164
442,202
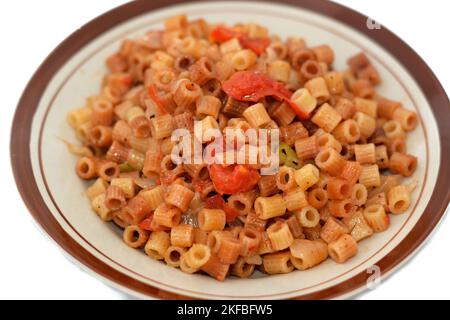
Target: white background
32,267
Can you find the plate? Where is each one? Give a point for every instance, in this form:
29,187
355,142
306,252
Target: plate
45,176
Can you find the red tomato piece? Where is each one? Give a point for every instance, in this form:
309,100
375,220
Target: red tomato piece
149,225
217,202
233,179
253,86
146,224
230,213
222,34
257,45
199,186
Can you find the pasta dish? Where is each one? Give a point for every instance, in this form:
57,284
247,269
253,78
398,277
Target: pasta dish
224,149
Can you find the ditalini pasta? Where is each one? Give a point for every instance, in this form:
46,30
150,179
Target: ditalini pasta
324,173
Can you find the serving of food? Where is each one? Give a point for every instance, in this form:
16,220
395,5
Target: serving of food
342,152
234,150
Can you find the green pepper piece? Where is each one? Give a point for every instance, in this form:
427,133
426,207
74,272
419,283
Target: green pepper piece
288,156
294,163
283,152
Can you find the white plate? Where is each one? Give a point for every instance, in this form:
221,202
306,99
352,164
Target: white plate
56,195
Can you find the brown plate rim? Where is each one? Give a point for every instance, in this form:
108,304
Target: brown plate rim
411,61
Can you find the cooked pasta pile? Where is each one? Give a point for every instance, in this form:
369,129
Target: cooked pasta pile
342,150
